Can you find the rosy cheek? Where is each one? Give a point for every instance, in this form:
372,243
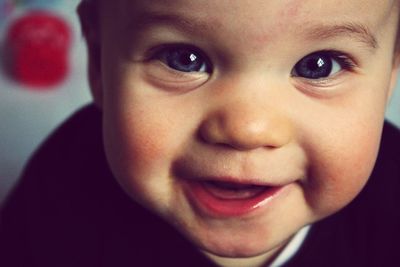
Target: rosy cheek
338,174
143,145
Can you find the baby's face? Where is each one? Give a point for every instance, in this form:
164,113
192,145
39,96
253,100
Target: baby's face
239,122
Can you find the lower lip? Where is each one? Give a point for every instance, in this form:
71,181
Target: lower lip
215,206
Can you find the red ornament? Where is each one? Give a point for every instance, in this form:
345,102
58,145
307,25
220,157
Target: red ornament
38,45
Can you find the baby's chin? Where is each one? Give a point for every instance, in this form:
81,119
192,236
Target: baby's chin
235,245
232,238
243,254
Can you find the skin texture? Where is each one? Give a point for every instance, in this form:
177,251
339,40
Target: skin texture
249,118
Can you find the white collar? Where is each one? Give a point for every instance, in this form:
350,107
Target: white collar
291,248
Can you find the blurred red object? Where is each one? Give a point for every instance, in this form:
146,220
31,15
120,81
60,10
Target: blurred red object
38,49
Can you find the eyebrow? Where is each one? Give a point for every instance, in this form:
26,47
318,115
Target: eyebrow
194,25
359,32
353,30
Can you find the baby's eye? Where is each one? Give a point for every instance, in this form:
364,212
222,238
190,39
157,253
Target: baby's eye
321,64
184,58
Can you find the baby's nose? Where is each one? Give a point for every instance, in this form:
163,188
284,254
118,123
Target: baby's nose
244,126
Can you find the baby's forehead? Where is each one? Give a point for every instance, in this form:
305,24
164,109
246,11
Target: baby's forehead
258,20
290,4
290,8
260,14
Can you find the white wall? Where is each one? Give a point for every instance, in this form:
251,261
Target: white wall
27,116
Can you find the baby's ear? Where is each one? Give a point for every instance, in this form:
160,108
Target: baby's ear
89,19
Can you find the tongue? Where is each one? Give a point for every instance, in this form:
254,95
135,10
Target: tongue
232,191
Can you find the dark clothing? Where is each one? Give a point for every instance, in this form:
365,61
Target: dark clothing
68,210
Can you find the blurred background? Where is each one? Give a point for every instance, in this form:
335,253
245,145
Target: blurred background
37,36
43,78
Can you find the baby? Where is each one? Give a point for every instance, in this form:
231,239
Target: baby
247,126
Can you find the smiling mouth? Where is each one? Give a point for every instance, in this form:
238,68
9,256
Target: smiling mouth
220,199
233,191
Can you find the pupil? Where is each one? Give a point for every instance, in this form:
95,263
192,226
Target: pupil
187,58
185,61
314,66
